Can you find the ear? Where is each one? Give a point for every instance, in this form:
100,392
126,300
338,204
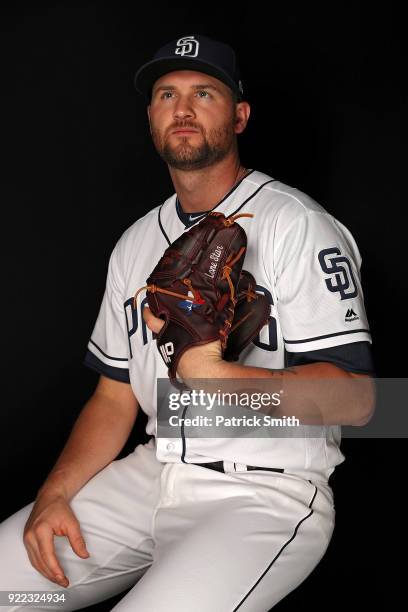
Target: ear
243,110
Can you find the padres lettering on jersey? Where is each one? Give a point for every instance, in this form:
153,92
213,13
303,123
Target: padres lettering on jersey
306,263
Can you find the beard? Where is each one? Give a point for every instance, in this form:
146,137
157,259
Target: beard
187,156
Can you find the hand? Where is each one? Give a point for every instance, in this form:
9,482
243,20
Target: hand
51,515
197,362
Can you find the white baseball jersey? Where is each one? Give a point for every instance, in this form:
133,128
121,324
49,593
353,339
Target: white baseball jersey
307,264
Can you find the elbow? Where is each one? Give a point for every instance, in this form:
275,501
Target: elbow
364,419
365,404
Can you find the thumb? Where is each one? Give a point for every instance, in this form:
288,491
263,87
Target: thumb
77,542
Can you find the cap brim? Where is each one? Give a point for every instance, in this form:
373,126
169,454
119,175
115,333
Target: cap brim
149,73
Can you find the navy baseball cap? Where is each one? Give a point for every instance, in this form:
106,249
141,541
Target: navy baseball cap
196,52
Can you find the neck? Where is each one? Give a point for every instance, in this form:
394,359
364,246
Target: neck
200,190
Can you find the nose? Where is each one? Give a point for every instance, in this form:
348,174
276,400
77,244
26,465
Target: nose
183,108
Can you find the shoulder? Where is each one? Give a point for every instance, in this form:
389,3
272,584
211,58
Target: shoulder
290,210
283,199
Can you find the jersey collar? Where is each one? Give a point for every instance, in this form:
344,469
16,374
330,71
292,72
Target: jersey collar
171,217
190,219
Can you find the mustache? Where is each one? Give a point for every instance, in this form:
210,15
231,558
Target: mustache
184,126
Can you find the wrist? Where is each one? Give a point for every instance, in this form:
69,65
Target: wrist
203,361
55,486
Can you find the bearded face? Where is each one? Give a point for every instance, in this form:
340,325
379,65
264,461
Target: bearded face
209,112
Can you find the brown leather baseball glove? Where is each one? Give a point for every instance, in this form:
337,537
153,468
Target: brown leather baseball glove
194,286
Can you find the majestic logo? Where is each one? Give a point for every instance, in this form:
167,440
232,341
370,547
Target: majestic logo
351,315
167,350
187,45
338,266
215,257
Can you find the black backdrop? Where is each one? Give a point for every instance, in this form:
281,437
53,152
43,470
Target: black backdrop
328,95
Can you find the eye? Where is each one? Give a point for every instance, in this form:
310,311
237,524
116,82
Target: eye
199,92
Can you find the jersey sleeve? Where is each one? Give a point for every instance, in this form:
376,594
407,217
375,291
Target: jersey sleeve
108,348
353,357
320,299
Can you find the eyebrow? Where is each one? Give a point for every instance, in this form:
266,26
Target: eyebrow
197,86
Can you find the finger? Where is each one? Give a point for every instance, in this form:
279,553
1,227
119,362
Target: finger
77,541
40,566
47,555
153,323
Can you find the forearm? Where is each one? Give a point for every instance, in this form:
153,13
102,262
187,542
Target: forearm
317,394
97,437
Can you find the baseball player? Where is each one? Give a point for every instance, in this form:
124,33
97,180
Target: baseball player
203,524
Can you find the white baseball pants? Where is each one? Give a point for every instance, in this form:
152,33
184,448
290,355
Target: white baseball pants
187,537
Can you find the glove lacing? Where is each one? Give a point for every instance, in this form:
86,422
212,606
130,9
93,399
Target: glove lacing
250,295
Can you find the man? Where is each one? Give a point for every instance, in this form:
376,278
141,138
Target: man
203,524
